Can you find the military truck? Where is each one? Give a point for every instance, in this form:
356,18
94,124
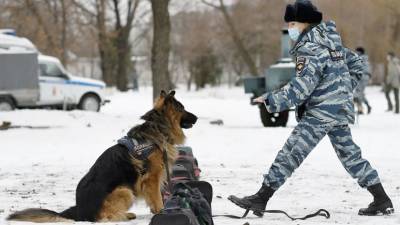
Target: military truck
275,77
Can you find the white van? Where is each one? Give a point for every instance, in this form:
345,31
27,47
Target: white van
28,79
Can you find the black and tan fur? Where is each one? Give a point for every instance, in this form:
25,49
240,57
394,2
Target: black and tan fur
110,187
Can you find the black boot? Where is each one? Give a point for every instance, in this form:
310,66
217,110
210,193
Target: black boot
255,202
381,204
369,109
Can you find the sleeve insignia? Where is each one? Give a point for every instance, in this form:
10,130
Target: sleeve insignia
300,64
336,55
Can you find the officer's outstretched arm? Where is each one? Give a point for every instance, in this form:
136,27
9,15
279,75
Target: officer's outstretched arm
308,75
356,66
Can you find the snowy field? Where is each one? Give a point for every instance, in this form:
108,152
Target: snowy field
41,167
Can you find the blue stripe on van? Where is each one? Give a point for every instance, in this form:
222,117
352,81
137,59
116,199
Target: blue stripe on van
72,82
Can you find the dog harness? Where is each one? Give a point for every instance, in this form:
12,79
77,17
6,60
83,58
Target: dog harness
138,149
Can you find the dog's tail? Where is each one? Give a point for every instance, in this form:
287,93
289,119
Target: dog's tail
43,216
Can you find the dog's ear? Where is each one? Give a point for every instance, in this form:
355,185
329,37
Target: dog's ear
163,94
149,115
159,102
171,93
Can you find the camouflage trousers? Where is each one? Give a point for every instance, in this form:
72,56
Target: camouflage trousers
307,134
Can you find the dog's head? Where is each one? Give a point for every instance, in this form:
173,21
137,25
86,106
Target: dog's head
174,110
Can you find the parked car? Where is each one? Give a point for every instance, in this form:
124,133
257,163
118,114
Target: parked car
29,79
58,87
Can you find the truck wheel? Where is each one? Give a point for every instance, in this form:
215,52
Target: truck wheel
6,104
273,119
89,102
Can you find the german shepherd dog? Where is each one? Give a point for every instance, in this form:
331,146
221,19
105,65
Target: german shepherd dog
108,190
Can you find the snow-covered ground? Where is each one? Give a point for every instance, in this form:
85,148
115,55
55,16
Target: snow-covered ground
41,167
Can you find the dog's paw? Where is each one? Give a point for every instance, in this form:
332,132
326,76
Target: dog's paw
155,210
130,216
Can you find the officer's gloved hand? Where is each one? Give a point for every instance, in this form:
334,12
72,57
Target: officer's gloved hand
260,99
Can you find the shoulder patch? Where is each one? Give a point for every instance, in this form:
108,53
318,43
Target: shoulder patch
300,64
336,55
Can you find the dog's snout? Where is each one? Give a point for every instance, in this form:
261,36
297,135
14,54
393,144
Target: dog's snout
188,120
192,117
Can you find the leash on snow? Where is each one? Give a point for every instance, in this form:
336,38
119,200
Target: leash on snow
321,212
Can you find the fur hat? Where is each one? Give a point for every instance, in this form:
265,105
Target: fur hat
302,11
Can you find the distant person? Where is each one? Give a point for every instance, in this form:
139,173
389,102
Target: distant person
392,82
359,94
322,91
135,78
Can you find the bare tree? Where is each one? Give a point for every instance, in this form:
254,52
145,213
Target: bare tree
104,43
113,43
161,47
253,28
236,37
122,41
46,13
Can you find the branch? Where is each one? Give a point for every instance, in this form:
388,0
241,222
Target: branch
225,11
131,12
144,13
83,8
211,5
31,5
236,37
141,36
48,5
117,14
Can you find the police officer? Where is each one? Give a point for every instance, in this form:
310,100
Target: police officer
359,94
322,91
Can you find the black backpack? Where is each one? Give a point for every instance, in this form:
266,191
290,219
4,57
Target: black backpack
176,216
180,172
185,169
188,205
181,175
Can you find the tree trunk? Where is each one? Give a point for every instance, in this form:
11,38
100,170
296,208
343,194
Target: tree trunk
121,42
64,25
161,47
103,44
123,49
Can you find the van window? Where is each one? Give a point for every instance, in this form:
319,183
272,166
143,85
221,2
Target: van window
50,69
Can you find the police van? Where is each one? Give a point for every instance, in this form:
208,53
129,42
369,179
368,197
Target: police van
29,79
